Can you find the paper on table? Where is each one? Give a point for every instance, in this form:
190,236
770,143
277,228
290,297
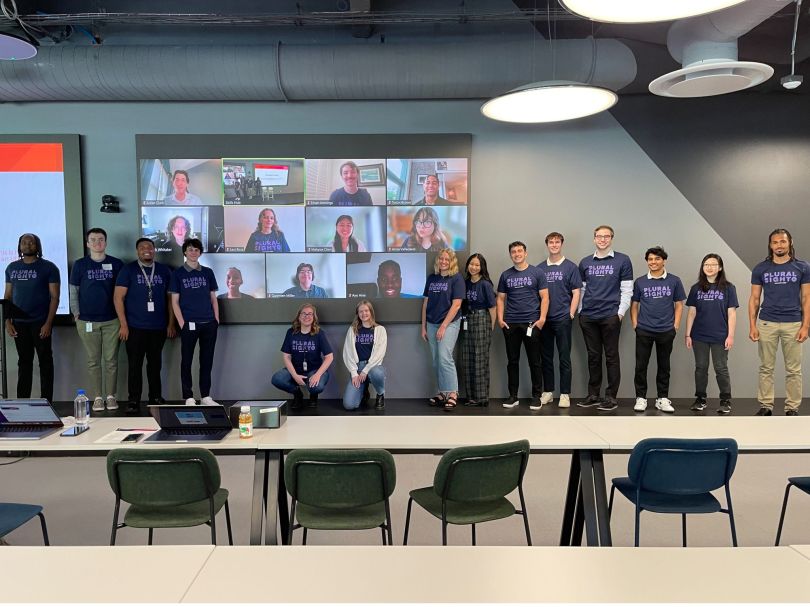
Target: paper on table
117,436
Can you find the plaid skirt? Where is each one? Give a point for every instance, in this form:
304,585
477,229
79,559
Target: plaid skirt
475,342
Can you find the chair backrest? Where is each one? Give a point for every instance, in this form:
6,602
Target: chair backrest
682,466
340,478
163,477
481,473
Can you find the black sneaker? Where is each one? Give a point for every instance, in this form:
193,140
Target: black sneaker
313,401
133,406
379,404
157,401
609,404
591,401
699,404
725,407
764,411
791,412
298,400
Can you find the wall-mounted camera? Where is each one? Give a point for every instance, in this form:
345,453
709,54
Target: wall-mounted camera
109,204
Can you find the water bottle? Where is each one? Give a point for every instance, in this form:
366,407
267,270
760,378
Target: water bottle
245,422
81,409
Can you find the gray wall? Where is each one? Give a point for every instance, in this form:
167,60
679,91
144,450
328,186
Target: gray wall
526,181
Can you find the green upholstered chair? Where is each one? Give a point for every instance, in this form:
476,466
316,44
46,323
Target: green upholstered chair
16,515
471,484
177,487
340,489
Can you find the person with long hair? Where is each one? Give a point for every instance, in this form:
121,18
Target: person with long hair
363,353
477,325
441,320
307,357
344,240
426,233
782,284
710,324
268,237
178,231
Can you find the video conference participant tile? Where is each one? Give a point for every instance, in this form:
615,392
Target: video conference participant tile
238,275
427,228
427,181
385,275
169,227
180,182
257,229
345,229
346,182
262,181
306,275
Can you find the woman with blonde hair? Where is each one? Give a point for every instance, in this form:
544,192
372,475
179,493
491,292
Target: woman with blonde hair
363,353
268,237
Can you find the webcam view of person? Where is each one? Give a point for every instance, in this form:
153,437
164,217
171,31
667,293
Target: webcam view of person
426,233
363,353
268,237
344,241
178,231
350,195
233,280
307,357
389,279
431,188
306,287
181,195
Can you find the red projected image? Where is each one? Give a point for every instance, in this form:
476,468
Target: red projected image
266,181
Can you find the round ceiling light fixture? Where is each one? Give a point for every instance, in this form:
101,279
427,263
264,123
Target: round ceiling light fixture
15,49
551,101
644,11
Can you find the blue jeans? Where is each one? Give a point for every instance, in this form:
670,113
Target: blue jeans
442,352
284,381
352,396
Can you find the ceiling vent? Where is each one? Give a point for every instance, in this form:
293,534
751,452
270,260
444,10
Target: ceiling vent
711,78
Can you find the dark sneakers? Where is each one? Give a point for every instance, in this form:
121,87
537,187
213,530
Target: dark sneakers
699,404
379,404
591,401
764,411
725,407
313,401
791,412
609,404
298,400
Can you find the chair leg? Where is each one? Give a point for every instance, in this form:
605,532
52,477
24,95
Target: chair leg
44,529
407,522
304,543
382,531
731,517
292,522
610,502
444,533
150,535
782,515
115,521
213,520
525,515
228,523
388,526
683,527
473,534
638,531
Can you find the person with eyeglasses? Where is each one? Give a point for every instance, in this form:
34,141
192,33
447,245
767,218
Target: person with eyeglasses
305,286
607,286
782,284
710,324
426,233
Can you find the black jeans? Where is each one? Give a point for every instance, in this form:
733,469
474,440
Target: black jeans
663,349
27,342
720,360
602,334
145,343
559,332
207,334
514,336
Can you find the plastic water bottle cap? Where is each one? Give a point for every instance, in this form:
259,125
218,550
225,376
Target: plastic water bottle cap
80,393
245,408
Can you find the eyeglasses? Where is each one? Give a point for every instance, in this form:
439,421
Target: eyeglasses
711,265
307,314
423,224
603,237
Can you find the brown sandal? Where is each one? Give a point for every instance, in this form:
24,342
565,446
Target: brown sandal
438,400
450,403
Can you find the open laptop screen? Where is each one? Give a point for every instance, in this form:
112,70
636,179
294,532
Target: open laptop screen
200,416
35,411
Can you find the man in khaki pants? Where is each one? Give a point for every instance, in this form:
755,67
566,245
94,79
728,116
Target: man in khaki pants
92,281
782,283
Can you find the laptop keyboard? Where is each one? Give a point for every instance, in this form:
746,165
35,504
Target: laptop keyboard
196,431
31,428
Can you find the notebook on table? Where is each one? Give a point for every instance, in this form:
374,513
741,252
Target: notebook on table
27,419
182,423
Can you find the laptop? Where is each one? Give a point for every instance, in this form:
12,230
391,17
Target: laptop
27,419
185,424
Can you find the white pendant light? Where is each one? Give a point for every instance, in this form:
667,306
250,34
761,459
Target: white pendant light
14,49
643,11
549,101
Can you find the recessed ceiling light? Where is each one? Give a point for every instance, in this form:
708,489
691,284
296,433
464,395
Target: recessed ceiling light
644,11
551,101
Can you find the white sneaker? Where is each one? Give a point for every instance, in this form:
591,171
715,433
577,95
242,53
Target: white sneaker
208,401
98,404
565,401
665,405
546,398
112,403
536,405
511,404
190,402
641,404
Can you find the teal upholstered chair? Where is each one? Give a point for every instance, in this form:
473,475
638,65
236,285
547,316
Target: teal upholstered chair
340,489
16,515
471,484
177,487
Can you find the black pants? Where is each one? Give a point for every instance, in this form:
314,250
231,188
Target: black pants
207,334
719,356
602,335
27,342
514,336
556,332
663,349
145,343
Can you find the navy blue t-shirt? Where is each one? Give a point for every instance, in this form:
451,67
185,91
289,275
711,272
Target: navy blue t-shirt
440,292
341,198
480,295
522,289
711,312
603,278
96,282
194,288
364,342
781,289
657,297
137,297
29,283
306,347
562,280
267,243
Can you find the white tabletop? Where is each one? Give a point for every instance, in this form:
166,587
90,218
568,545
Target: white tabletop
423,433
108,574
476,574
751,433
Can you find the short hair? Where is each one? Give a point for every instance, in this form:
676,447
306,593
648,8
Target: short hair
144,239
236,269
193,242
181,172
348,163
604,227
300,267
552,235
389,263
517,243
656,250
95,231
